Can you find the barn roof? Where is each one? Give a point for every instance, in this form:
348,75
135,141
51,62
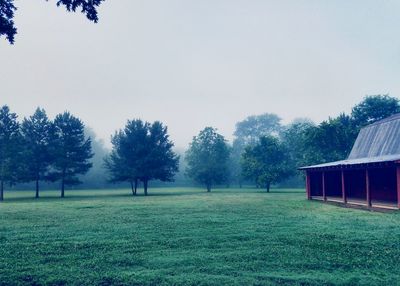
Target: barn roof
376,143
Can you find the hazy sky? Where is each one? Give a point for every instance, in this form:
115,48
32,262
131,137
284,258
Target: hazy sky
200,63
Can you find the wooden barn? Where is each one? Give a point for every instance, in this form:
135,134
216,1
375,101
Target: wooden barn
369,177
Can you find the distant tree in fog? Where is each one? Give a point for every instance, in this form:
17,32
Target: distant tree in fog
248,132
208,158
71,150
37,133
96,177
10,148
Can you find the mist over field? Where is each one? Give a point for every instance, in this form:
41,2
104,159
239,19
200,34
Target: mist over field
192,64
208,142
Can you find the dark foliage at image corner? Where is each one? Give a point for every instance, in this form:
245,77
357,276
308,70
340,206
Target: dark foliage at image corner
7,9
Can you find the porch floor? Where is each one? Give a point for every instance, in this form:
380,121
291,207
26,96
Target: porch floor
359,202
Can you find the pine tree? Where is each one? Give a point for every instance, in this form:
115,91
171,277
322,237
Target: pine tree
70,149
10,148
36,131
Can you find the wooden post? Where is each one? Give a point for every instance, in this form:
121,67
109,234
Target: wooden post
344,189
323,186
398,185
308,189
367,189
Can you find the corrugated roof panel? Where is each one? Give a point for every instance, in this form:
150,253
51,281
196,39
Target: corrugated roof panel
378,142
378,139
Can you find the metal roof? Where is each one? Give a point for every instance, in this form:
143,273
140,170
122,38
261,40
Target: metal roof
379,139
359,161
378,142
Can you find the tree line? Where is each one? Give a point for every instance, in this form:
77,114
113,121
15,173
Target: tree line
266,152
263,153
38,149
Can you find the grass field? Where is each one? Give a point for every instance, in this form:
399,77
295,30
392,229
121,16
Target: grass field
190,237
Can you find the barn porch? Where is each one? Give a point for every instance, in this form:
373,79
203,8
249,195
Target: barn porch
372,185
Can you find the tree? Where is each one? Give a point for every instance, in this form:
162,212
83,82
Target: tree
207,158
10,146
161,163
117,163
294,138
71,150
96,177
374,108
331,140
248,132
142,151
235,167
253,127
266,162
7,9
36,131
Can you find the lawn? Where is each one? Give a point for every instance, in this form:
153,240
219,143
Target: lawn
190,237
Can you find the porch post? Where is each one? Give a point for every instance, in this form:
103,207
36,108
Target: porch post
398,185
367,189
343,188
323,186
308,189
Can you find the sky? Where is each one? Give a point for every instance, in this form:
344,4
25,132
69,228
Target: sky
192,64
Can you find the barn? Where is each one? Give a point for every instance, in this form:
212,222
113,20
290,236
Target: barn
369,177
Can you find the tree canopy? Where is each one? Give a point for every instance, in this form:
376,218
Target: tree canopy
374,108
253,127
71,150
142,151
207,158
266,162
37,135
10,148
7,10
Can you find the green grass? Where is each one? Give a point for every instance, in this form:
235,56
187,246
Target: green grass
190,237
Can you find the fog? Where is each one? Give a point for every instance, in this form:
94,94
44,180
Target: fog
193,64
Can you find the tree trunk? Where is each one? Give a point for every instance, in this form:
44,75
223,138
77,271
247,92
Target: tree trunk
145,186
62,188
208,187
268,187
63,183
37,188
136,185
133,190
1,190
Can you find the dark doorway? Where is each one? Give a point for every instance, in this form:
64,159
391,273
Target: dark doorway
316,184
355,184
333,184
383,185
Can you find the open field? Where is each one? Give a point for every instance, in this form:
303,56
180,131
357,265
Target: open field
190,237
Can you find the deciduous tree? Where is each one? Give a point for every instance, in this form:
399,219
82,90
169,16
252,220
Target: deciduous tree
374,108
142,151
207,158
266,162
